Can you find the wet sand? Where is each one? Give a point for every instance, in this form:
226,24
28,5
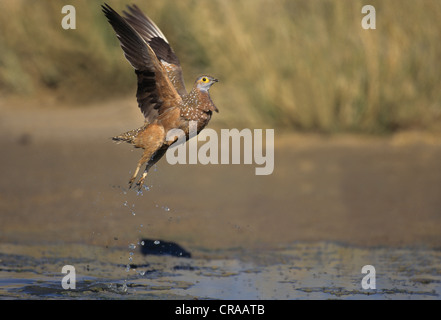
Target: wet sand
64,182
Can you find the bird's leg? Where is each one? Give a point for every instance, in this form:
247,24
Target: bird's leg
155,158
147,156
151,140
132,179
140,182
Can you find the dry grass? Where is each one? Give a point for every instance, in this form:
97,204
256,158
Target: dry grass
306,65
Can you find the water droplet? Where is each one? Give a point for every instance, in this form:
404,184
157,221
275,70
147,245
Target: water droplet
128,268
142,243
125,204
132,246
166,208
157,242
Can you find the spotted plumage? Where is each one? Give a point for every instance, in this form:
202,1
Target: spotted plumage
161,94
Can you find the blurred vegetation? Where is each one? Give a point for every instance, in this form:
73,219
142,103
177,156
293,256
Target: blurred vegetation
298,64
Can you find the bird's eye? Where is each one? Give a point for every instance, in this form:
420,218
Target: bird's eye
204,79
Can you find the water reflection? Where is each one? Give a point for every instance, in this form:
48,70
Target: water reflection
300,271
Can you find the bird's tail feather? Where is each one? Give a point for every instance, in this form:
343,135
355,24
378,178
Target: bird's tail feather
129,136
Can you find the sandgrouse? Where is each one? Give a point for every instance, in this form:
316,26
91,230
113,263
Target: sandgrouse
161,94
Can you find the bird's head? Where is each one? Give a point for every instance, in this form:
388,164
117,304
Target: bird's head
204,83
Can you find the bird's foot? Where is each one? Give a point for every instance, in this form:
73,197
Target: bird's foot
140,182
131,182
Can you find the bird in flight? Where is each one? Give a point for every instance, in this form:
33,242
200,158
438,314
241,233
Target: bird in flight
161,93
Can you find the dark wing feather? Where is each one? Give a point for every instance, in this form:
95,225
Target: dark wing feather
155,91
150,32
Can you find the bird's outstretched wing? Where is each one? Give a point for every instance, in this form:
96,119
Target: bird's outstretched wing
151,34
155,92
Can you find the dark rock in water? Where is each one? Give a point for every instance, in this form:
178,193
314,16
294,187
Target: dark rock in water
160,247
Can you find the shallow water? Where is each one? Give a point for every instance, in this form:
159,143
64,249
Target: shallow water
301,271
